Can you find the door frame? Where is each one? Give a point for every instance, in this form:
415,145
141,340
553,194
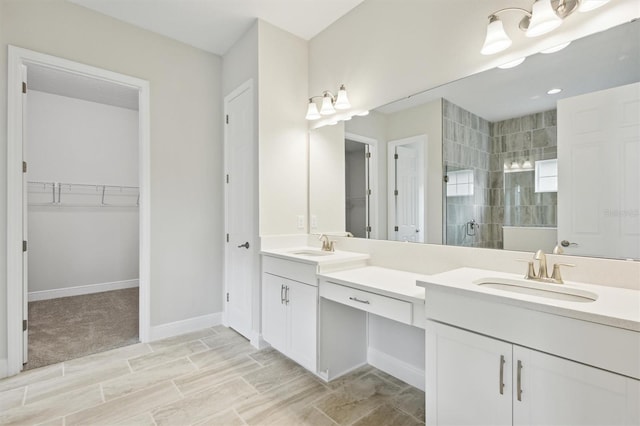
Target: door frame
18,57
421,142
373,180
255,287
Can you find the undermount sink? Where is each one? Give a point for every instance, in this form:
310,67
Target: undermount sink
312,252
540,289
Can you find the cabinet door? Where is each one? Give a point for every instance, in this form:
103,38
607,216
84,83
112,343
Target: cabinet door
303,307
556,391
468,378
274,312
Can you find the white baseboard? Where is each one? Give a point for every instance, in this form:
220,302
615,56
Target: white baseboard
81,289
175,328
4,371
397,368
257,341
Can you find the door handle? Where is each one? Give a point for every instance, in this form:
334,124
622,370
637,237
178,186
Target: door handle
565,243
286,295
282,294
245,245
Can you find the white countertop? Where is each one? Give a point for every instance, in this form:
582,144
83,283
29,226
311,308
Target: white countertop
338,256
388,282
616,307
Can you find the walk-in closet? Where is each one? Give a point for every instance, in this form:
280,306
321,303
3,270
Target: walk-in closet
82,215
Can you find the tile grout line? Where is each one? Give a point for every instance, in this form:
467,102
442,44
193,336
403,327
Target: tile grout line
177,388
24,396
239,416
322,413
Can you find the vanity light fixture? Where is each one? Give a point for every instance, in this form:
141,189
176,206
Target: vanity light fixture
554,91
545,16
330,104
527,164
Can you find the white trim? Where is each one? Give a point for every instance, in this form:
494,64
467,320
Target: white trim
373,180
247,85
81,289
397,368
257,341
4,372
18,57
188,325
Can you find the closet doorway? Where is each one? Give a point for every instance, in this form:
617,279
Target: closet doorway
81,197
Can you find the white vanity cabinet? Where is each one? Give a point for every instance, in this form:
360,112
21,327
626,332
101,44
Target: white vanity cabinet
474,379
289,309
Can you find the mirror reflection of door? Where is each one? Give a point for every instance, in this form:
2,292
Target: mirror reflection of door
406,200
358,188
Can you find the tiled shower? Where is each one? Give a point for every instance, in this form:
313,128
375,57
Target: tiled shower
501,157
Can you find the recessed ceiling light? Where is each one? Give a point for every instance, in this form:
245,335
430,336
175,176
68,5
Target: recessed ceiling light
554,91
556,48
511,64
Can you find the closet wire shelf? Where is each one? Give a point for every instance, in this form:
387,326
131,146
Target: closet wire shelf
60,194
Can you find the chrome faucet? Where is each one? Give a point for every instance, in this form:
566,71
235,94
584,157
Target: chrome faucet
327,245
543,274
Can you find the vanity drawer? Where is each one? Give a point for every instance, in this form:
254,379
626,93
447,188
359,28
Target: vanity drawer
388,307
297,271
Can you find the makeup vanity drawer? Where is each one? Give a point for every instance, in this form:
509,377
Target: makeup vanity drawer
388,307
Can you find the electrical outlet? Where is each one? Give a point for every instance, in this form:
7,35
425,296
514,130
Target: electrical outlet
314,221
300,221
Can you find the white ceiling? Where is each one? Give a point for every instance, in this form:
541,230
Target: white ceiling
215,25
596,62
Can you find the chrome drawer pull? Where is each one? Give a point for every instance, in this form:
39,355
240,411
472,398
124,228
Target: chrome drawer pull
355,299
519,381
501,387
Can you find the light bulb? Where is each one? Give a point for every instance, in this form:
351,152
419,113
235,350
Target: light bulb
341,100
327,105
543,19
496,39
312,111
555,49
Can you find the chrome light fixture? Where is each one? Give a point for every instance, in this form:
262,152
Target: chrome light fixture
545,16
330,104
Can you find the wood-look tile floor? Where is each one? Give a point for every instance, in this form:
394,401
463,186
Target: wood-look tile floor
209,377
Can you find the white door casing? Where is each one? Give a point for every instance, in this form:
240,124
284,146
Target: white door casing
16,278
25,223
598,177
240,176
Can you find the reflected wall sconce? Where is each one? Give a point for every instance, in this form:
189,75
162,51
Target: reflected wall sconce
330,104
545,16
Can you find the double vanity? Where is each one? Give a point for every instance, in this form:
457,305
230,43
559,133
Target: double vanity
499,349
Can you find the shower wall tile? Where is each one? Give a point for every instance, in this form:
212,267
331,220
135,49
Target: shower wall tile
471,142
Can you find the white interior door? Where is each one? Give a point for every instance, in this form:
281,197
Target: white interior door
240,249
599,181
406,190
25,257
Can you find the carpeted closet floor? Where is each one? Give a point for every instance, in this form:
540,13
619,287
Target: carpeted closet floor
72,327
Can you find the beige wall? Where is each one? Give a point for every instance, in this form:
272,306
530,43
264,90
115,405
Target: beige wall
283,140
425,120
327,179
186,143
